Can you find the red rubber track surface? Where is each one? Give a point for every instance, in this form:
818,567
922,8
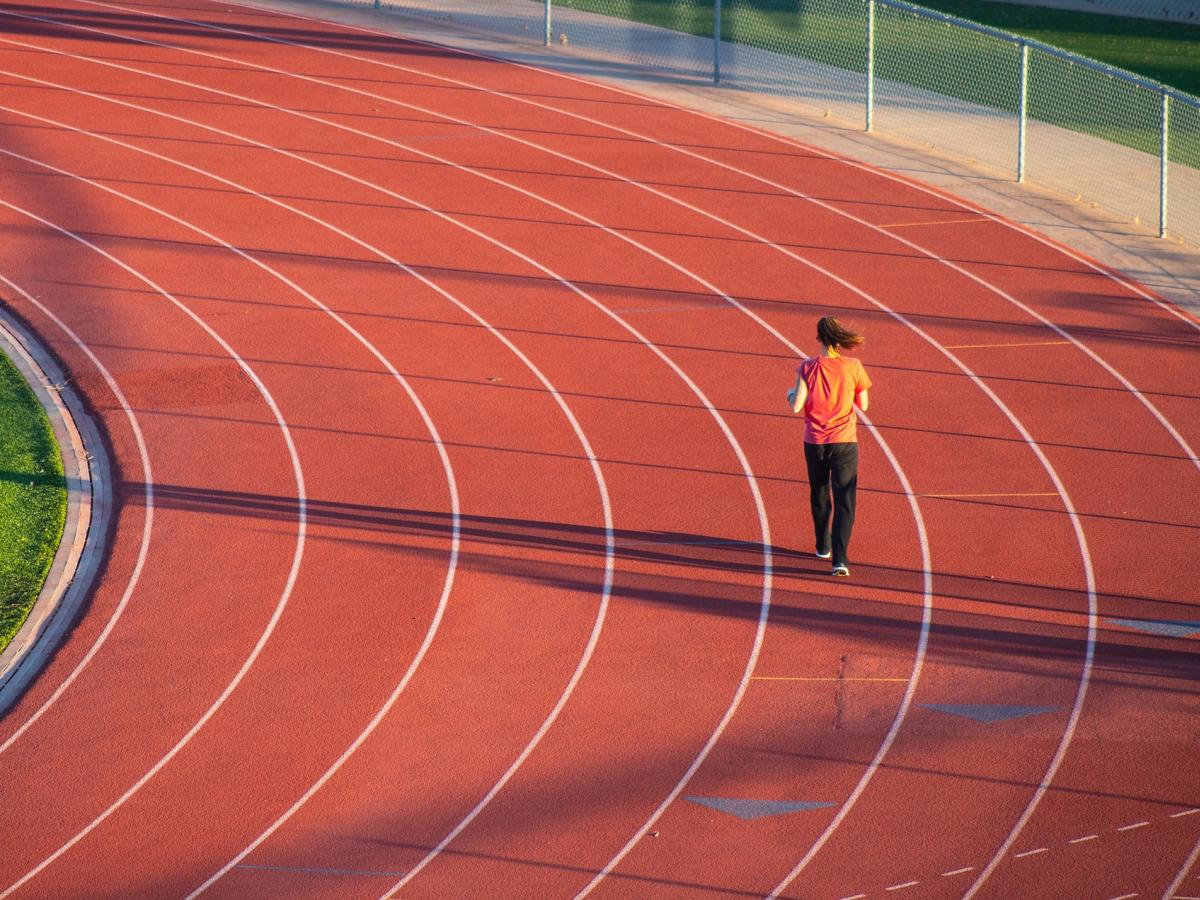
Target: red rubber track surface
461,388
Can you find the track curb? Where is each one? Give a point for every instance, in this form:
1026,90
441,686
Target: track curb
89,482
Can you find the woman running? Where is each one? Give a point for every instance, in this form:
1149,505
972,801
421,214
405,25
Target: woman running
828,387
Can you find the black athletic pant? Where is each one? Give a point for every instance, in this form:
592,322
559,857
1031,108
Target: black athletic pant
833,466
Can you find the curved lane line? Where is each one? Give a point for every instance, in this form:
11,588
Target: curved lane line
456,517
147,525
586,444
906,703
1099,268
609,535
764,526
699,156
302,516
1048,777
1092,605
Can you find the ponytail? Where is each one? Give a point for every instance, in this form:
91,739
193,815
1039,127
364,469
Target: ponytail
832,334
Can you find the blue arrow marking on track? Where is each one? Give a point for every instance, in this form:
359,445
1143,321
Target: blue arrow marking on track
1160,626
754,809
988,712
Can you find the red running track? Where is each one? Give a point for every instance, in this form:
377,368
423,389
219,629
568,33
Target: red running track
461,546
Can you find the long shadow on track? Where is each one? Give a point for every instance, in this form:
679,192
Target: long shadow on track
879,615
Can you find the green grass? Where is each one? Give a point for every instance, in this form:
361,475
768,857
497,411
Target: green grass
979,69
33,499
1168,52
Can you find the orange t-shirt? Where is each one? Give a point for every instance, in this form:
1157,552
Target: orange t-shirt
833,382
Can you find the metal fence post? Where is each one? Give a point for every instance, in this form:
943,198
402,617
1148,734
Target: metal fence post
1023,113
1164,164
870,64
716,41
546,23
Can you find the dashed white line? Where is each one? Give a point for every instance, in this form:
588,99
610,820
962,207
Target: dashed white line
1086,837
855,897
961,871
1186,812
1133,826
1124,897
1031,852
900,887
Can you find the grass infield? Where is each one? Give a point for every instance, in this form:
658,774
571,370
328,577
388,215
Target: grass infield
33,499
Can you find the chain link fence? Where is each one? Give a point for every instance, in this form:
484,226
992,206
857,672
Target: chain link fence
1092,132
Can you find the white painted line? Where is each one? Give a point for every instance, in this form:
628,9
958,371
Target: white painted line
147,524
1091,641
961,871
1186,812
1089,654
1133,826
1188,865
854,897
87,482
1031,852
764,527
1124,897
927,606
1086,837
609,533
883,230
293,572
900,887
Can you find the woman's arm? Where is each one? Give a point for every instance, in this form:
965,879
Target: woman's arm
862,400
798,395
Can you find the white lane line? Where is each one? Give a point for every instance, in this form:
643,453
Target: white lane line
961,871
1084,839
707,403
901,887
1186,812
927,606
293,572
147,525
1133,826
1031,852
729,435
1092,611
452,562
848,161
727,166
764,527
1124,897
1188,865
855,897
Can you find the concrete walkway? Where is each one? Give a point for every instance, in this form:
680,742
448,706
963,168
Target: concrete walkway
1168,267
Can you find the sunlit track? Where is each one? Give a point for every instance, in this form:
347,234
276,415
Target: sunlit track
1128,385
147,526
687,152
1058,247
764,527
862,784
873,767
1007,407
406,386
293,572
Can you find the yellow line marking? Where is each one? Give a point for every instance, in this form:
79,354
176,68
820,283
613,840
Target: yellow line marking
989,346
936,222
967,496
809,678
